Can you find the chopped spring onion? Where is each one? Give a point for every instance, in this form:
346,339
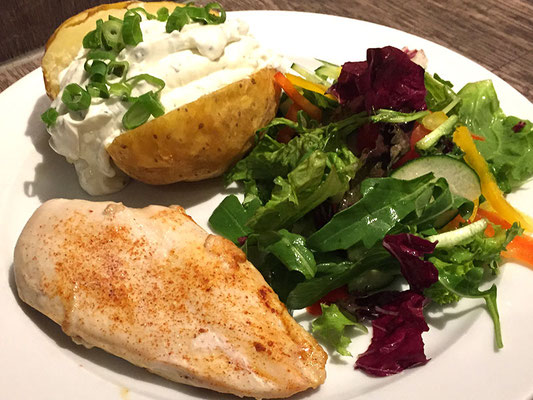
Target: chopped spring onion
152,80
98,89
142,11
100,55
162,14
145,106
97,71
117,69
215,18
177,20
120,89
75,98
93,40
131,29
49,117
111,33
181,16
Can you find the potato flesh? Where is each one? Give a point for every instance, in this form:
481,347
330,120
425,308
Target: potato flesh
201,139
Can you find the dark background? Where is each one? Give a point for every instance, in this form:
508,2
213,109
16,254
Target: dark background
497,34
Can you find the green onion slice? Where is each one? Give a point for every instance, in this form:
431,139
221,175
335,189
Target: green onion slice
190,13
140,111
162,14
141,10
93,40
152,80
75,98
112,35
117,69
177,20
131,29
98,89
213,18
97,70
49,117
101,55
120,89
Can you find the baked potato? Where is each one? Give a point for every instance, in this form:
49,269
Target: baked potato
196,141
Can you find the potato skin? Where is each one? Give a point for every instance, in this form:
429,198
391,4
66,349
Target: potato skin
201,139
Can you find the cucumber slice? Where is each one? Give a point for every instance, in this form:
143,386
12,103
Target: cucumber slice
308,75
328,71
462,179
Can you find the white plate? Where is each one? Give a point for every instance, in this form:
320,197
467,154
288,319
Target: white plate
39,362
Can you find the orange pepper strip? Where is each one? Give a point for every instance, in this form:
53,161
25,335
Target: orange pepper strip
520,248
313,111
489,187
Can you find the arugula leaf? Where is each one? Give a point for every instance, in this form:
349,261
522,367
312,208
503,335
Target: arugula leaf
332,275
229,219
509,153
385,202
290,249
441,206
331,327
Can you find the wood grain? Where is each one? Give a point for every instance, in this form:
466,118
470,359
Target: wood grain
496,34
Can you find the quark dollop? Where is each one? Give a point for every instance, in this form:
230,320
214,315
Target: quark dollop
192,62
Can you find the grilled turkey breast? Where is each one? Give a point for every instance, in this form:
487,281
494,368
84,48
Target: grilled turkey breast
149,285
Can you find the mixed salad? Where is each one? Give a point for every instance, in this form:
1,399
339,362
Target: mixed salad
378,190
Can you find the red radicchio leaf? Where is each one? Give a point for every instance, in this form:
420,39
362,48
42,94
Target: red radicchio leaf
388,79
519,126
397,335
409,249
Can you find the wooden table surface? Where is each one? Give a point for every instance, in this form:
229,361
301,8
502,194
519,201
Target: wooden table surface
496,34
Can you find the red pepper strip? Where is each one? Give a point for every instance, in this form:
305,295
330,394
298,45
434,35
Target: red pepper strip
285,134
292,112
476,137
520,248
313,111
331,297
418,133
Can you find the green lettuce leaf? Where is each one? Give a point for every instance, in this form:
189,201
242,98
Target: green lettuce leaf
439,92
318,177
464,268
509,153
331,327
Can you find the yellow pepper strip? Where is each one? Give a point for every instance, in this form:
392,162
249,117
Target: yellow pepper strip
474,211
314,87
489,187
434,120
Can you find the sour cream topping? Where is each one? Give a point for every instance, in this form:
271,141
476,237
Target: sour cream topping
193,62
